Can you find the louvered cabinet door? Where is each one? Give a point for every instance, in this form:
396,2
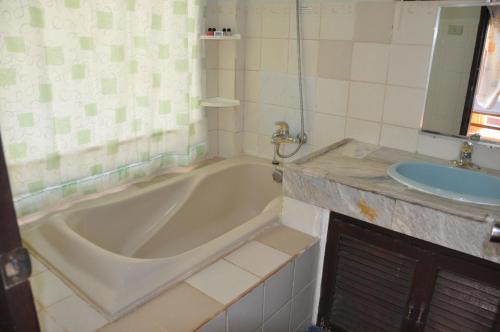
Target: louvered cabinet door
465,295
367,280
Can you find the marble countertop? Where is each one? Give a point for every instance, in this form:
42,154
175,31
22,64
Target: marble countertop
364,166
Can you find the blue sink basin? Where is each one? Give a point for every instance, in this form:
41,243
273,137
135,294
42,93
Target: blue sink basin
448,182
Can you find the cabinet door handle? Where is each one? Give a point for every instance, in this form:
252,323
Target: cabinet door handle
411,307
421,314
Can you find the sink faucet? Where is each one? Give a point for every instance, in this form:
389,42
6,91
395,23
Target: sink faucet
465,157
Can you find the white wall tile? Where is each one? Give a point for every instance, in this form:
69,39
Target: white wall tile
370,62
309,57
268,116
404,106
304,217
227,56
251,117
246,314
223,281
414,23
218,324
364,131
309,19
253,53
302,306
264,146
274,55
278,290
250,143
230,144
438,146
408,65
399,138
213,143
337,21
230,119
212,119
280,321
325,129
227,83
253,20
276,20
332,96
273,88
305,268
257,258
366,101
252,86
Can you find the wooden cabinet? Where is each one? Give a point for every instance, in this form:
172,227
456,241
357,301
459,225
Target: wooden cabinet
379,280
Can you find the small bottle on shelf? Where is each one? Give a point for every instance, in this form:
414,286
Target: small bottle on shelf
228,32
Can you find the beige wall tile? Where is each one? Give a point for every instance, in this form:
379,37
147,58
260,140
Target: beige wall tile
366,101
227,83
370,62
250,141
373,22
227,55
274,55
309,20
252,86
212,55
337,21
181,308
364,131
253,53
334,59
332,96
212,83
253,19
404,106
286,239
276,20
408,65
399,138
309,57
230,119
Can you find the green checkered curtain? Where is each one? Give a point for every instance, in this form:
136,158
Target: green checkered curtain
94,93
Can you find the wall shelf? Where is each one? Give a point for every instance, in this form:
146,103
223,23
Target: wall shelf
219,102
232,37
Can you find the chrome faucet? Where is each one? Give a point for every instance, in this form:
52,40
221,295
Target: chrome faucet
465,157
281,135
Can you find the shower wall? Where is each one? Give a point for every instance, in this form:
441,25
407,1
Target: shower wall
365,68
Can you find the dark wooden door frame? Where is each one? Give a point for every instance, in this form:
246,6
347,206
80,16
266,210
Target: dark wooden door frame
17,309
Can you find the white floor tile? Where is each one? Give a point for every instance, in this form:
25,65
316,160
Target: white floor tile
278,290
48,289
223,281
258,258
75,315
246,314
280,321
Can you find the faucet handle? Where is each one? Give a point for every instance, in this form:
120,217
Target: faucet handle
281,127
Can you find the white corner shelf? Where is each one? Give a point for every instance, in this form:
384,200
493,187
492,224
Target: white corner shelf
219,102
232,37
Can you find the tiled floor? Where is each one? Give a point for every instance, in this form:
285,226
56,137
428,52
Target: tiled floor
265,285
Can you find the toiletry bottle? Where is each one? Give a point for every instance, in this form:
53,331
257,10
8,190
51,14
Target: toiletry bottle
228,32
224,32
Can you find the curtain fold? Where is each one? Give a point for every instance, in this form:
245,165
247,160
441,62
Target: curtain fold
487,98
94,93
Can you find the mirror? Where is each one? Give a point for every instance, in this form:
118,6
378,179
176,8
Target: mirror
463,89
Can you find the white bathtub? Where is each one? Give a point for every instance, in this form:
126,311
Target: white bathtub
120,249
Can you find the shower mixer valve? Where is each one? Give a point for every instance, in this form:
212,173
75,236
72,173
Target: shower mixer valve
281,135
